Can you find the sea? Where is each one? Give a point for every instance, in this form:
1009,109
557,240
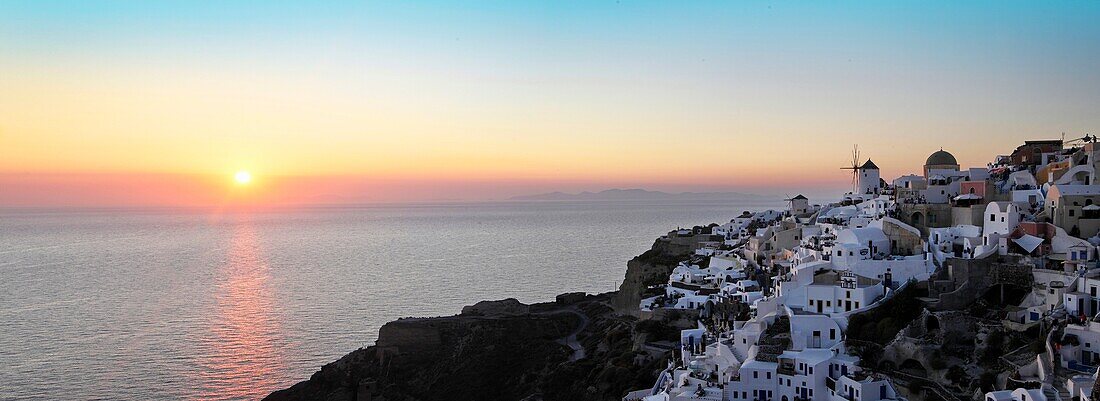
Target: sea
202,304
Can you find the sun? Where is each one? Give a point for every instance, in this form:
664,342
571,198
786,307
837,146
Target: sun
242,177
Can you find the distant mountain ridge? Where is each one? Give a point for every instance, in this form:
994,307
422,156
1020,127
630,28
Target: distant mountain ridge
642,194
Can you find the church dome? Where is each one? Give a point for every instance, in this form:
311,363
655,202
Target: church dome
941,158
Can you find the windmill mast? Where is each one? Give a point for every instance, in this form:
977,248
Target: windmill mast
855,168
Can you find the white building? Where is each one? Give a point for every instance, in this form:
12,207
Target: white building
855,244
840,292
1080,347
1021,394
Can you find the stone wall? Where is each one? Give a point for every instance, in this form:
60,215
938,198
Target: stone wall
925,215
971,215
902,241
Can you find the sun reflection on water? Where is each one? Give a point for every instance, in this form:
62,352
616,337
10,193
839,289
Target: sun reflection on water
241,357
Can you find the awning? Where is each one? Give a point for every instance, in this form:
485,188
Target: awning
968,197
1091,207
1028,242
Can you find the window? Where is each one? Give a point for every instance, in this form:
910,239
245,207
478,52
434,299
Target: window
769,374
1071,213
832,334
755,375
992,217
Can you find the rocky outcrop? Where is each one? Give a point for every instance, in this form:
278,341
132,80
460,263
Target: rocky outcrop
504,307
653,267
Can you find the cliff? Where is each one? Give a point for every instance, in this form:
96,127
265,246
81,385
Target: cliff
653,267
578,348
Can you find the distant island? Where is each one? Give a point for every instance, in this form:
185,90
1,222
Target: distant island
642,194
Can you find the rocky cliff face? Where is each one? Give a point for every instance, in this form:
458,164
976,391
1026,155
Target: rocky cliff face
505,350
653,267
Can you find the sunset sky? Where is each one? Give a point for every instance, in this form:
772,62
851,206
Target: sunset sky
161,103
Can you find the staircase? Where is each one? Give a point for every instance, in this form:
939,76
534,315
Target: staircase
1063,394
1052,395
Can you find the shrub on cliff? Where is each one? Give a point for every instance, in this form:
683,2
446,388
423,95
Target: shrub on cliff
657,330
994,347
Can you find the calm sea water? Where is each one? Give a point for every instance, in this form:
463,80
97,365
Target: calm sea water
156,304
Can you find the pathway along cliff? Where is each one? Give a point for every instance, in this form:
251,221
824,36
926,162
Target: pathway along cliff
580,347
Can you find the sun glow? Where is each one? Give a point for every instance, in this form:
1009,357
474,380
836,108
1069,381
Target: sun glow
242,177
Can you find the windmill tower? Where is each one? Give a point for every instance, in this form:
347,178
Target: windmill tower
855,169
869,183
798,205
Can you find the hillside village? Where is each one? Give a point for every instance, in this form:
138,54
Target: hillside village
954,283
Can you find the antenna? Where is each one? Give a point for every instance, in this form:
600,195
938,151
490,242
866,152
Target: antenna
854,167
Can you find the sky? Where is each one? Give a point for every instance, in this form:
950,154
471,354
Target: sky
160,103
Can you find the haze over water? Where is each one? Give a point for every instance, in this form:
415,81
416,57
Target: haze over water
188,304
